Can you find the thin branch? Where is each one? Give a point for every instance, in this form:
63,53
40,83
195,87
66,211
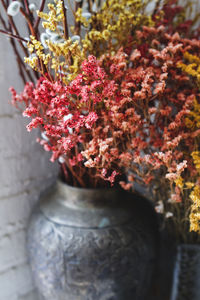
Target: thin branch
70,6
14,28
78,24
66,34
27,7
18,57
29,13
22,68
19,62
33,32
156,7
13,35
28,21
38,18
66,175
74,175
89,5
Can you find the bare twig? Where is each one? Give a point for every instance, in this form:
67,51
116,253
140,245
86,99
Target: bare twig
26,4
38,18
33,32
66,34
78,24
70,6
13,35
28,20
89,5
74,175
66,174
14,28
29,13
22,68
156,7
19,62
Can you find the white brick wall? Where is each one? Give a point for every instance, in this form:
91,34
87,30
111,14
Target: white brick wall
24,171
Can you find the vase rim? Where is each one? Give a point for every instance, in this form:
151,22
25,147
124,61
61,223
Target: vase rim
82,197
64,185
85,207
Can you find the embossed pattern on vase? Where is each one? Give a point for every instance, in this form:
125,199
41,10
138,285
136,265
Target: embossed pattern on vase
107,262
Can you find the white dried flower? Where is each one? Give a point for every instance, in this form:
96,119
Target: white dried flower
53,33
152,118
159,207
70,130
169,215
31,56
171,200
32,7
13,8
78,1
75,38
87,15
50,32
67,117
55,38
63,72
44,37
61,159
43,135
25,43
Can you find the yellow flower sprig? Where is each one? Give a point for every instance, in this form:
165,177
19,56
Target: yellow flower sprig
108,30
111,27
196,159
195,209
38,55
54,17
192,121
193,68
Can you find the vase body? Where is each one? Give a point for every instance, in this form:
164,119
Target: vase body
92,245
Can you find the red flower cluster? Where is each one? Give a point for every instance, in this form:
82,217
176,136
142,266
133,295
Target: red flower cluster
123,114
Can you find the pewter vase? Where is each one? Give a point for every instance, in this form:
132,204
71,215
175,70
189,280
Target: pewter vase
92,244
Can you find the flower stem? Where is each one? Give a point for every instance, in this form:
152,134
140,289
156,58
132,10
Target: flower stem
13,35
38,18
66,34
29,22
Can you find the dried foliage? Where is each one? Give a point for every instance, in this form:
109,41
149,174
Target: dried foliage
118,99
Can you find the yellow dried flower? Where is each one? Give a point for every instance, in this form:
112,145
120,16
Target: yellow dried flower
193,68
113,24
32,61
189,185
179,182
196,158
195,209
110,30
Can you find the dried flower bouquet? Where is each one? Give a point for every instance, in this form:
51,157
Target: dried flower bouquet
117,96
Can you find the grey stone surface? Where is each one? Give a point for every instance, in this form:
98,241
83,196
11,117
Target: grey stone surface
25,170
32,295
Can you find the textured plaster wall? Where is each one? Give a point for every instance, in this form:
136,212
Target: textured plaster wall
25,170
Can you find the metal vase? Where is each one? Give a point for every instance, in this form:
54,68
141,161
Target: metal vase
92,244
